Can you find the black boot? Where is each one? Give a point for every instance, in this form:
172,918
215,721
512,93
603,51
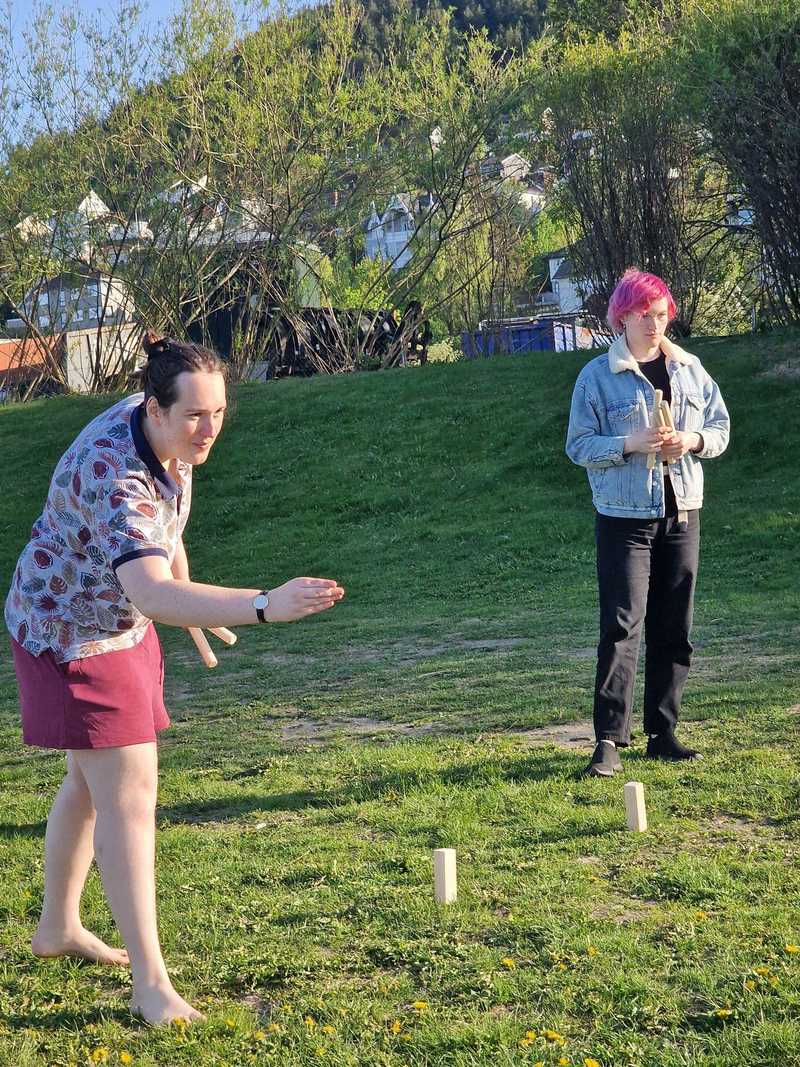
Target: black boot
667,747
605,760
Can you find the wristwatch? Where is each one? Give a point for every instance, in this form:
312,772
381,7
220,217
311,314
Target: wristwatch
261,603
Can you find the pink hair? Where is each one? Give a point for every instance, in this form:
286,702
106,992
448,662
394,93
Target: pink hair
636,291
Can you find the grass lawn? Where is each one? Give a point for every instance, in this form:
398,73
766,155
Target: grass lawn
305,782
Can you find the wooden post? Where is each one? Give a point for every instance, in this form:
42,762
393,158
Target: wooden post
444,875
666,415
635,812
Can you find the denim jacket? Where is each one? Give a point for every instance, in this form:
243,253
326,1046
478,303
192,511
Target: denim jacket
612,399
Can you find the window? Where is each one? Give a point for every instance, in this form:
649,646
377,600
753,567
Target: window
44,320
62,298
44,299
78,316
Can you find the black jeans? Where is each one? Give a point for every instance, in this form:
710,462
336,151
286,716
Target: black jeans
646,572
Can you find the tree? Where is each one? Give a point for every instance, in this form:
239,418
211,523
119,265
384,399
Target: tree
742,64
636,183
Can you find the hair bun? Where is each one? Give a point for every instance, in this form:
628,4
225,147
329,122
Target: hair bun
153,344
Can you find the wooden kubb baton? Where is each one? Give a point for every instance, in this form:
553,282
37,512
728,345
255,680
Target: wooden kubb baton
658,420
204,648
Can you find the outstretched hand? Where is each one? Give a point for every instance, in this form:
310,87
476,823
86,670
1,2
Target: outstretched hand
300,597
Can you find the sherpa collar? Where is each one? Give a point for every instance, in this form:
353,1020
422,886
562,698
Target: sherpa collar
620,357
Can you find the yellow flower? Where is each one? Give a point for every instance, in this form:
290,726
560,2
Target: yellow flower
563,1061
701,915
259,1035
792,948
508,962
420,1005
763,971
525,1042
319,1052
99,1055
589,1062
231,1024
553,1035
561,966
773,980
125,1057
723,1013
750,984
396,1026
288,1009
273,1028
310,1023
329,1029
530,1035
592,951
405,1037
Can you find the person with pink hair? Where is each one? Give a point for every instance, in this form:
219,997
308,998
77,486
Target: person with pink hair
647,524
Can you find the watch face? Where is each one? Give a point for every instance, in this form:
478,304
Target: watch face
261,601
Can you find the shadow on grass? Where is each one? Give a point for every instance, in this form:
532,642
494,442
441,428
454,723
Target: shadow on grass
10,831
537,767
70,1020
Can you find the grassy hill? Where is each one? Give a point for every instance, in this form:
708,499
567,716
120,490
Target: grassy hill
306,780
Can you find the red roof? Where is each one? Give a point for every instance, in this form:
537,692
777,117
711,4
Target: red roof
19,355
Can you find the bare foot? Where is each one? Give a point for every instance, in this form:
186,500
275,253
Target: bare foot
78,942
158,1005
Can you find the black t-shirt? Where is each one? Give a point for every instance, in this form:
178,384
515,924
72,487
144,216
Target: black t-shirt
656,373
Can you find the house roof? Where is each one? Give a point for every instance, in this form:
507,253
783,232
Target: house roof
17,355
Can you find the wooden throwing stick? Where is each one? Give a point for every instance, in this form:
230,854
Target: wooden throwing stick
658,416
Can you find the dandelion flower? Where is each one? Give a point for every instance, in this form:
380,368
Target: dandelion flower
763,971
701,915
273,1028
508,962
589,1062
259,1035
792,948
396,1026
563,1061
310,1023
125,1057
319,1052
723,1013
328,1029
592,951
99,1055
530,1035
750,984
231,1024
525,1042
420,1005
288,1009
553,1035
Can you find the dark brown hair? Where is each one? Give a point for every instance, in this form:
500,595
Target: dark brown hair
166,359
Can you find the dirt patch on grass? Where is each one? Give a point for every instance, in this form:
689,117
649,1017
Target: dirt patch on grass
405,652
787,370
569,735
623,912
319,732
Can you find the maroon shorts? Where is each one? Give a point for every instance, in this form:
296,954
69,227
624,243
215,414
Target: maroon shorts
104,701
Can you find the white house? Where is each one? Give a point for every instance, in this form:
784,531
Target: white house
75,300
388,235
569,292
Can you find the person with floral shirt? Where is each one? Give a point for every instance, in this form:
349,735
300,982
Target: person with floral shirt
104,560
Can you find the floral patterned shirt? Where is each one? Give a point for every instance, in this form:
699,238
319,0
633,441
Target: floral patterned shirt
110,501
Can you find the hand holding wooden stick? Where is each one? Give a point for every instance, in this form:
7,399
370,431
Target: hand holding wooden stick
203,647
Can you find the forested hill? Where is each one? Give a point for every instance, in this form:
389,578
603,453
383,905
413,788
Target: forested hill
510,23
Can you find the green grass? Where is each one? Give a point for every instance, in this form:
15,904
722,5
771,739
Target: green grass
305,781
